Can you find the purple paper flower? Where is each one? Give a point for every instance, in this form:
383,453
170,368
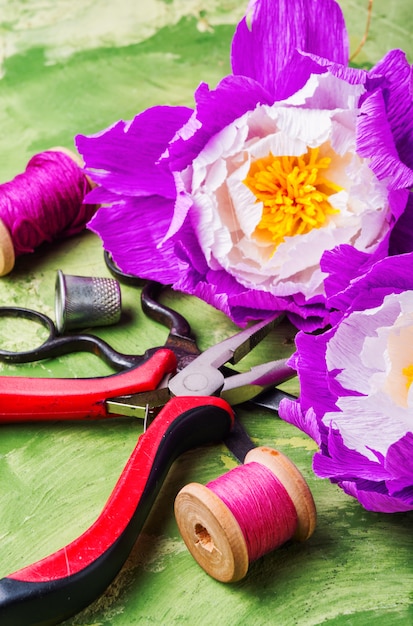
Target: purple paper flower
356,398
291,155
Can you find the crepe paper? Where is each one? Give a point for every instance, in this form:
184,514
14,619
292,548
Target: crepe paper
356,398
183,192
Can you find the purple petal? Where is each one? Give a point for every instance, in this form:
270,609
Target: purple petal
372,282
295,75
399,463
375,141
399,100
375,500
124,157
251,304
131,231
101,195
342,264
290,411
196,278
278,28
234,96
342,463
401,238
314,384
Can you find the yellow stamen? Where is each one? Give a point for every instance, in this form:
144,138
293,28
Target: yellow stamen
408,372
293,192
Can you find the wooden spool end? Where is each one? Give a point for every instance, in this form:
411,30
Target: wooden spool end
7,256
295,485
211,533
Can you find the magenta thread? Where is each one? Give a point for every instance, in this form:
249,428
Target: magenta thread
45,202
260,504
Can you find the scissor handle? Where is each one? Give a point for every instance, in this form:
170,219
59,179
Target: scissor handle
177,324
55,345
65,582
24,399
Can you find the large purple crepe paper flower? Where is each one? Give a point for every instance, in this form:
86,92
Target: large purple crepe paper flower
356,398
173,182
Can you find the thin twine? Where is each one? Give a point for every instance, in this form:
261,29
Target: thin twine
260,504
45,202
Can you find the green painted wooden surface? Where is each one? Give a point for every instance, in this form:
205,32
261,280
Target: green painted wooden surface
76,67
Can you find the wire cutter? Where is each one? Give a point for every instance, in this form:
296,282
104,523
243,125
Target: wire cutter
143,377
194,413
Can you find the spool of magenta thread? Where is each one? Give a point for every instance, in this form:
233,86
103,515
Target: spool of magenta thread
44,203
248,512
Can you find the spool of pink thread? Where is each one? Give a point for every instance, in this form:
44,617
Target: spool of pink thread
250,511
44,203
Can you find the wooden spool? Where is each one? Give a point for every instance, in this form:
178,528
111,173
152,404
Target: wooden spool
212,533
7,256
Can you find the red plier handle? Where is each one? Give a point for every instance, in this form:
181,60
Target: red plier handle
25,399
65,582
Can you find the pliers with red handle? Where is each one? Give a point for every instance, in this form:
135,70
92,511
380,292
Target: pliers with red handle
60,585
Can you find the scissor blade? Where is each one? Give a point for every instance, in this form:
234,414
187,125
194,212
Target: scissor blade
234,348
247,385
271,398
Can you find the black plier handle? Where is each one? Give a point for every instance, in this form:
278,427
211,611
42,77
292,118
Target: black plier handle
62,584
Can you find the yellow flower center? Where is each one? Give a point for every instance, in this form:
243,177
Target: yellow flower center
408,372
294,193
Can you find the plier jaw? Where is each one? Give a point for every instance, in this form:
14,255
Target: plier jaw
206,374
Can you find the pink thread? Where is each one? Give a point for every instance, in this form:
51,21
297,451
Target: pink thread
260,504
45,202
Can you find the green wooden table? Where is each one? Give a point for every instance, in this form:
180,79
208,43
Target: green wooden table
76,67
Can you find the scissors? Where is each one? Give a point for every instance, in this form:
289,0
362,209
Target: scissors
39,399
194,413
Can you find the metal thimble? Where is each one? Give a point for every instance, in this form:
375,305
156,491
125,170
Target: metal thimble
83,301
